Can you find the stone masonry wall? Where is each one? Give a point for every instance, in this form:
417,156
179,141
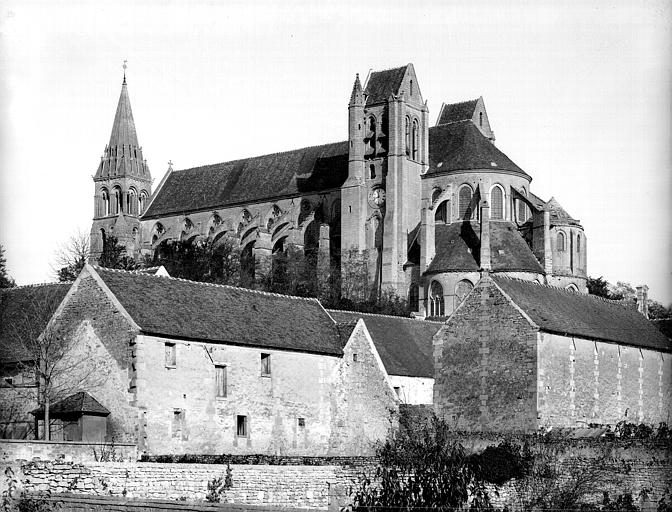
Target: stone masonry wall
281,486
583,381
485,364
103,344
15,449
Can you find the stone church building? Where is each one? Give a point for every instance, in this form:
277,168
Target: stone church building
430,207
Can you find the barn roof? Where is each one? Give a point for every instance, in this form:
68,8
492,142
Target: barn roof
24,313
177,308
404,344
560,311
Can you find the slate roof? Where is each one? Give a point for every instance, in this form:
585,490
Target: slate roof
461,146
80,402
559,214
404,344
24,313
123,127
458,248
560,311
177,308
252,179
382,84
453,112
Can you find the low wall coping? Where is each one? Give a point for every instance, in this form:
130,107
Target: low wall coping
68,443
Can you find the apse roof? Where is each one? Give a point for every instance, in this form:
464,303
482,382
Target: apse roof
461,146
177,308
560,311
404,344
458,248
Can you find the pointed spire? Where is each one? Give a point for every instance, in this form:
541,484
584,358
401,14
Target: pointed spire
123,128
357,96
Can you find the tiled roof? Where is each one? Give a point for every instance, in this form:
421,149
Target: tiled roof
458,247
252,179
382,84
80,402
178,308
24,313
404,344
461,146
558,213
452,112
560,311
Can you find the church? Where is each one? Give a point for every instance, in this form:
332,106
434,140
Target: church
430,208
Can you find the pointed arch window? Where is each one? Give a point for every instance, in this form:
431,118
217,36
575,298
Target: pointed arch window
522,207
436,301
414,297
561,245
496,202
132,201
480,119
370,136
465,196
416,139
142,202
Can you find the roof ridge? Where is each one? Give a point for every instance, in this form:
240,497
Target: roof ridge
262,156
35,285
453,122
620,302
382,315
260,292
462,102
392,69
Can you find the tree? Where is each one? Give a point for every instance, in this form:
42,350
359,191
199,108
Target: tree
598,286
71,257
421,466
114,255
5,280
43,349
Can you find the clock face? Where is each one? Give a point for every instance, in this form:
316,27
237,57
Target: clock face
377,197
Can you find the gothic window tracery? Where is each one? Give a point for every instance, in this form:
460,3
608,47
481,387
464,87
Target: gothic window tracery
465,196
436,300
497,202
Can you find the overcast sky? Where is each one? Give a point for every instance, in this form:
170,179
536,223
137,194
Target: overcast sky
578,94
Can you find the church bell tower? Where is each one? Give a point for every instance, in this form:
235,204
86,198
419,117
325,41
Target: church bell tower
123,184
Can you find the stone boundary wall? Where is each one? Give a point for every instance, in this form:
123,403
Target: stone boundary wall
72,451
78,503
280,486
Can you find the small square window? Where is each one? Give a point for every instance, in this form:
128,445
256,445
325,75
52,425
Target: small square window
265,364
241,426
302,422
171,355
354,357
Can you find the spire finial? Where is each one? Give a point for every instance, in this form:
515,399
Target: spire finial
125,66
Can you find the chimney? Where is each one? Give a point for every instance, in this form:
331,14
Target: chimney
643,300
548,255
485,237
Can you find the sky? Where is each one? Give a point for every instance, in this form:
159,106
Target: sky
578,94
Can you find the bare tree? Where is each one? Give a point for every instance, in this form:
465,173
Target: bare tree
41,348
71,257
5,280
